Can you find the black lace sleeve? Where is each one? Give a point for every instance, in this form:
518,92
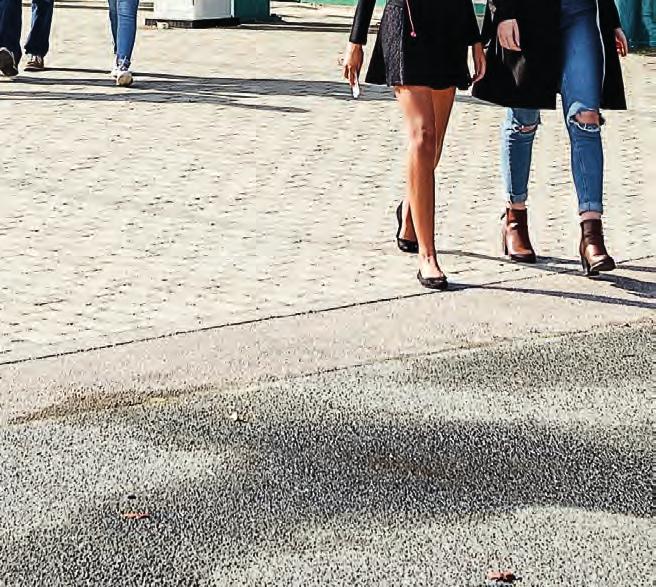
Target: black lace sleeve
361,21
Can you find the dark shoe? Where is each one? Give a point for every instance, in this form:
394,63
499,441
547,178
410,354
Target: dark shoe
7,63
433,282
35,63
407,246
594,256
515,242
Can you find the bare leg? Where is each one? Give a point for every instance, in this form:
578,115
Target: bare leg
442,106
419,111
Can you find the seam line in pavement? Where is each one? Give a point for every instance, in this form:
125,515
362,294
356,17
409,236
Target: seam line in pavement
61,410
540,338
551,272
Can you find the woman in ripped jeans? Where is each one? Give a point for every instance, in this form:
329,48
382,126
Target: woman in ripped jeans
537,49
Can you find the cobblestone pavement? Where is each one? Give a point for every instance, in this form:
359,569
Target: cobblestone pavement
237,181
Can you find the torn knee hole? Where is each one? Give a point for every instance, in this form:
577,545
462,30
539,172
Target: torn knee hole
525,129
528,128
587,120
588,117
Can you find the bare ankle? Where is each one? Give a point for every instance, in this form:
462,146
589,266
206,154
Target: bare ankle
590,216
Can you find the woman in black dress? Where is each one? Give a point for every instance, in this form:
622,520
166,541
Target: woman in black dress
421,51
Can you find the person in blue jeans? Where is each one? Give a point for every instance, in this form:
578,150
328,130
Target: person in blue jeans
123,21
538,48
38,41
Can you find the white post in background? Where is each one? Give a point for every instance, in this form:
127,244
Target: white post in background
193,13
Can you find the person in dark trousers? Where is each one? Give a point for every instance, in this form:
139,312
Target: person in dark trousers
38,41
535,50
421,51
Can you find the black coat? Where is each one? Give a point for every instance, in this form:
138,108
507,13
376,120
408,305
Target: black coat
531,79
435,57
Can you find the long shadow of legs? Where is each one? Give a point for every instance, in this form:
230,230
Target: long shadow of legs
555,265
643,289
638,268
568,295
168,87
163,87
544,263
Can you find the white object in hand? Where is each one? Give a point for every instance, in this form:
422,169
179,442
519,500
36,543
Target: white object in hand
355,89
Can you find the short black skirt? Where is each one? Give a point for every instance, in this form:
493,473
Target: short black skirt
436,57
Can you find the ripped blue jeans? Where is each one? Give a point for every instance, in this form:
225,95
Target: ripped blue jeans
580,89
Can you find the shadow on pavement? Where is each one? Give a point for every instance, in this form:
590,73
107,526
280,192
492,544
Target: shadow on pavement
639,268
555,265
568,295
304,26
163,88
297,476
370,454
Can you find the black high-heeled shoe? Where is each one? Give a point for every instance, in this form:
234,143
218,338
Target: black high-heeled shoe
404,244
440,283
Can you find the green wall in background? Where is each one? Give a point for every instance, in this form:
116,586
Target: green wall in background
638,17
250,10
479,4
639,21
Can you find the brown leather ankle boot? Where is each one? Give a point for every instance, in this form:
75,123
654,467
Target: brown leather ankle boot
515,241
594,256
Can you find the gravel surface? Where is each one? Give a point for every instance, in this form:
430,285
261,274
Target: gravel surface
427,471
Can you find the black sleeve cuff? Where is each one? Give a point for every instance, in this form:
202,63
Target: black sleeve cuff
361,21
614,14
503,9
473,32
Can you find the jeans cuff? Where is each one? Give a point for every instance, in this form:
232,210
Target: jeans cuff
516,198
31,51
591,207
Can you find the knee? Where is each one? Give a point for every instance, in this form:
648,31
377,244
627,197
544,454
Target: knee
527,129
523,128
423,141
522,125
588,117
587,120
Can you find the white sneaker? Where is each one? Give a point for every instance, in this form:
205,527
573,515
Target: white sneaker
124,78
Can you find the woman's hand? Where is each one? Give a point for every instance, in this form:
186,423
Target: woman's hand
479,61
353,59
621,44
508,35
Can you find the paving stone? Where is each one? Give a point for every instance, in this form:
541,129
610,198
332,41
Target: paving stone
237,180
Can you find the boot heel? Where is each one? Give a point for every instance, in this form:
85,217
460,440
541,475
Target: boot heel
587,270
